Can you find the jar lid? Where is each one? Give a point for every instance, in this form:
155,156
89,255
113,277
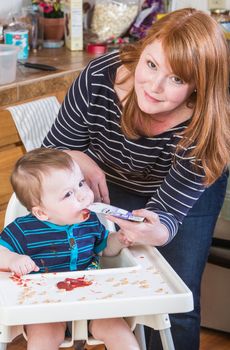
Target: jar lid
219,11
96,48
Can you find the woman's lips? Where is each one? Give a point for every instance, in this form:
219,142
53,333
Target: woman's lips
150,98
85,213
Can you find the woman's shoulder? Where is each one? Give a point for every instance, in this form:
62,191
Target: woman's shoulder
102,65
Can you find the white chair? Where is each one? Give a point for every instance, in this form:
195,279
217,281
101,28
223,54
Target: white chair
14,209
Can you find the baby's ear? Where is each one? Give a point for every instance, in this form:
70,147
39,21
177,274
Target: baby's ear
39,213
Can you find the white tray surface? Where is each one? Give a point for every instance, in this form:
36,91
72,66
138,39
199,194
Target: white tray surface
144,284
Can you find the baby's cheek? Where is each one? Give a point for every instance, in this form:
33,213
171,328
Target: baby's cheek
91,195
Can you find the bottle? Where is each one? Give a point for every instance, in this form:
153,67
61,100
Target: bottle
1,35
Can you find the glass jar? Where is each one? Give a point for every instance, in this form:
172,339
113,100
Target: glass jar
110,20
222,16
30,17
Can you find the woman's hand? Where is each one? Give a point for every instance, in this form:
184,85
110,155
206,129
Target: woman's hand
150,232
93,174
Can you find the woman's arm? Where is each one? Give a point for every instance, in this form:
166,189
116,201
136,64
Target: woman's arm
166,209
93,174
70,133
70,129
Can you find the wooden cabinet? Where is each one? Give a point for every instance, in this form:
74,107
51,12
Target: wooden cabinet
11,149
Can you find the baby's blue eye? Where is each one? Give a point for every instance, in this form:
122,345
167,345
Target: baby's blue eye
68,194
81,183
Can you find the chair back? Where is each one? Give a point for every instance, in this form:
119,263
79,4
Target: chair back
14,209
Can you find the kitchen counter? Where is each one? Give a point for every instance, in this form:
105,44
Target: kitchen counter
33,83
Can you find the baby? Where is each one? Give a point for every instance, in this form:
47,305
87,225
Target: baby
59,234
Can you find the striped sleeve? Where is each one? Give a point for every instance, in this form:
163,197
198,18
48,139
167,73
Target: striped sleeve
69,130
177,194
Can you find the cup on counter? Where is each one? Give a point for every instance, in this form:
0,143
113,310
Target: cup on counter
8,63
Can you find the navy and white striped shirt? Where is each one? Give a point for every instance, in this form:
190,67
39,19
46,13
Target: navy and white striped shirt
89,121
54,247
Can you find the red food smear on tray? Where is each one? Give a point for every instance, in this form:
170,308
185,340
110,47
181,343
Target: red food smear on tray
72,283
19,280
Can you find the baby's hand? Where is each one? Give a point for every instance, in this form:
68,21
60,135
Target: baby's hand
123,239
22,264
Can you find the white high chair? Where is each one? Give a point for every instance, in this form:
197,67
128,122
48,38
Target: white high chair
16,209
142,287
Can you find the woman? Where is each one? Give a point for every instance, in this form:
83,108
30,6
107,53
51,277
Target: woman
151,127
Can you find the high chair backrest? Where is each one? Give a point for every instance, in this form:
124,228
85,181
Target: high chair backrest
14,209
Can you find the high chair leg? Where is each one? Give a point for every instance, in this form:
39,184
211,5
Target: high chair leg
140,335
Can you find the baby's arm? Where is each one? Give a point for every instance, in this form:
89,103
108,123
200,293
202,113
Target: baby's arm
14,262
115,243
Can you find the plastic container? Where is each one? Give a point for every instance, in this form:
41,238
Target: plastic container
8,63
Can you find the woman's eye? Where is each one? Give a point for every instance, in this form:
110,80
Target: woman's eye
81,183
68,194
177,80
151,64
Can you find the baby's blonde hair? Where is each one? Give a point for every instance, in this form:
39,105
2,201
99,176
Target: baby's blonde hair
30,169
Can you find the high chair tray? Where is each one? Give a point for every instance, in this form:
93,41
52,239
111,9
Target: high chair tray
141,283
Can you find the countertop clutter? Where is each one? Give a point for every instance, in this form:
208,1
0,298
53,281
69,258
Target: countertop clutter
33,83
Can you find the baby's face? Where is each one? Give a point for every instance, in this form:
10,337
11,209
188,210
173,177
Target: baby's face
66,196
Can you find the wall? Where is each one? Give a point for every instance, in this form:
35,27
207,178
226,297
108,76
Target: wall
10,7
199,4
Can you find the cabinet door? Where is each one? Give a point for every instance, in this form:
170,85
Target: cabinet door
8,132
8,158
11,149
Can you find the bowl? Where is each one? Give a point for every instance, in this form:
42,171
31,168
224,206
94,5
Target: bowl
8,63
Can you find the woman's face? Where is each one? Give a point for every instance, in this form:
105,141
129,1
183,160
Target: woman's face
159,91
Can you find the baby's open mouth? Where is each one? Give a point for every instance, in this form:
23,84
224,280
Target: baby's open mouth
85,213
